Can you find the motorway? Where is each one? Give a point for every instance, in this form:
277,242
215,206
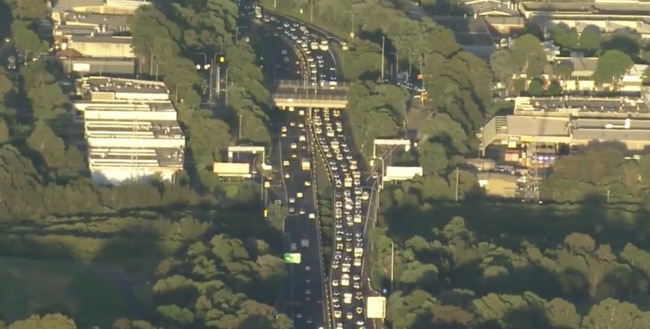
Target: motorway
303,297
296,52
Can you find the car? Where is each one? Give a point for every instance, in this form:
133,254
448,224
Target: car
286,163
337,314
335,283
299,316
359,310
307,183
357,285
302,211
349,316
307,268
360,323
287,175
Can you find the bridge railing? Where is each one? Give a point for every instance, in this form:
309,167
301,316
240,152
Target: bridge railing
291,84
309,95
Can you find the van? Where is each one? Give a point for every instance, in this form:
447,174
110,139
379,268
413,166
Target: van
312,216
302,138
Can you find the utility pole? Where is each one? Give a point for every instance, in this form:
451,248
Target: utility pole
383,47
311,11
457,179
532,181
392,266
218,68
239,130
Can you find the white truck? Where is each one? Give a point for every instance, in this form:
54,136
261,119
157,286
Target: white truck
347,298
305,164
357,218
347,182
358,252
345,280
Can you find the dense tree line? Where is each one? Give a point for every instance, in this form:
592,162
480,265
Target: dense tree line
457,276
49,208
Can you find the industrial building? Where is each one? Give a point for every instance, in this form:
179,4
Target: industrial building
552,122
131,130
92,37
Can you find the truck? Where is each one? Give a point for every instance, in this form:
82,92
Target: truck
304,243
345,280
358,252
347,182
347,298
353,165
305,164
258,12
357,218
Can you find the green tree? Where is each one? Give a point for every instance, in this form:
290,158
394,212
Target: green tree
590,38
535,87
611,66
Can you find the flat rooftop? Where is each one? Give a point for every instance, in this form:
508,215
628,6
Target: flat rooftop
101,38
158,129
110,21
130,158
596,106
106,84
612,134
532,126
157,141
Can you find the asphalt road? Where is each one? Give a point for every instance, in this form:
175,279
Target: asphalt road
302,295
305,286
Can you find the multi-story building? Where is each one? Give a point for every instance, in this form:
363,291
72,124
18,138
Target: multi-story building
131,130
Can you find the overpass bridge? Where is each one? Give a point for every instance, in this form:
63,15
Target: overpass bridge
289,93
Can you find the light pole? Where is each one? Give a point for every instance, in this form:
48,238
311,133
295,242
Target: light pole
177,87
381,182
410,59
422,61
311,11
396,53
392,265
216,67
227,71
239,130
352,27
205,62
383,47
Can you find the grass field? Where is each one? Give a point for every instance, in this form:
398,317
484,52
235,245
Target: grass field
73,288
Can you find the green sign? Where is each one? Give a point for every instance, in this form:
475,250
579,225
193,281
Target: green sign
292,258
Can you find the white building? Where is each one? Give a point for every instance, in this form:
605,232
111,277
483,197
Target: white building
131,129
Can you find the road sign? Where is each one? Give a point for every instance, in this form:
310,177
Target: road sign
292,258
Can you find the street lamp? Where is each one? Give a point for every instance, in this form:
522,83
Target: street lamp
383,173
227,81
205,63
178,85
352,27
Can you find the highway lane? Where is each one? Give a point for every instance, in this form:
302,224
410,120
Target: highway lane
306,279
347,268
